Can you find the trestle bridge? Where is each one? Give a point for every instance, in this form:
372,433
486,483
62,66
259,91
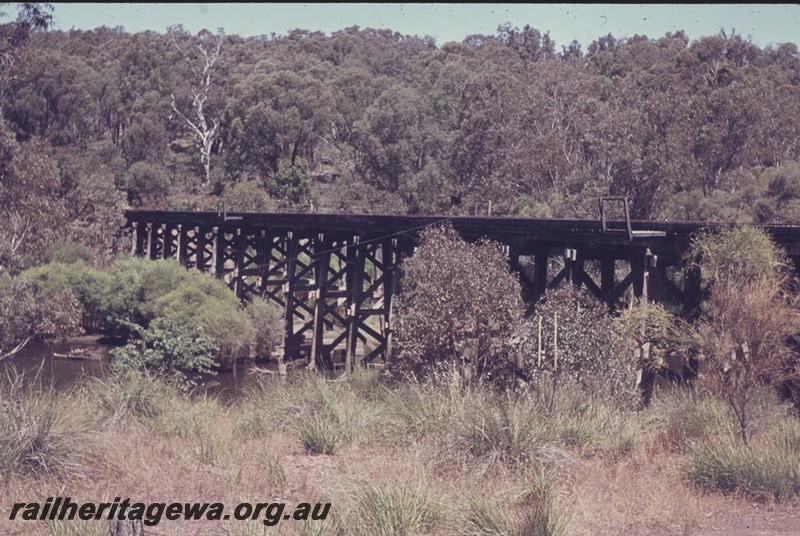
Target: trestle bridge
335,275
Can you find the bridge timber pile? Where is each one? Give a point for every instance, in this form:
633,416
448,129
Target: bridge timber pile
335,275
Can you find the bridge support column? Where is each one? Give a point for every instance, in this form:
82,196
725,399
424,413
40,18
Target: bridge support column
390,287
289,342
540,272
318,358
355,274
170,242
607,275
140,238
188,245
656,277
638,264
152,240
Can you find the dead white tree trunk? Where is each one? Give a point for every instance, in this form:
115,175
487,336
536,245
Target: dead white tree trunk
204,129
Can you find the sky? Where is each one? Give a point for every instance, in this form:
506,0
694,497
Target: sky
765,24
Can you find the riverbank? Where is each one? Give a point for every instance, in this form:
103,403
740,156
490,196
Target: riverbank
416,459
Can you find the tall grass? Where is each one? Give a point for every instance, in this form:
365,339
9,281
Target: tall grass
682,417
40,432
323,415
186,417
529,512
325,433
593,426
760,472
76,528
496,428
120,396
418,410
389,509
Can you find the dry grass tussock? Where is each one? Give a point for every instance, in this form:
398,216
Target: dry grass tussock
407,458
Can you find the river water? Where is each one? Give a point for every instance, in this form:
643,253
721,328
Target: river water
50,362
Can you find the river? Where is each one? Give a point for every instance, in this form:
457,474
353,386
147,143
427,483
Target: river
63,372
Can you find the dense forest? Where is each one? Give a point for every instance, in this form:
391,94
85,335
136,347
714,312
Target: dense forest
371,121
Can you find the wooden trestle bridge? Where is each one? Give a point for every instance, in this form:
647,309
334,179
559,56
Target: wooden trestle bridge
335,275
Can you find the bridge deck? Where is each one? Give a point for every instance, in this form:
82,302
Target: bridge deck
662,237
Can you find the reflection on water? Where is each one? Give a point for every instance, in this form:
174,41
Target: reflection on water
63,372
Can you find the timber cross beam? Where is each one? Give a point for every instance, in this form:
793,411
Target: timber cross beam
335,275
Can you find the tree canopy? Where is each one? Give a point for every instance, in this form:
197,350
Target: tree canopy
373,121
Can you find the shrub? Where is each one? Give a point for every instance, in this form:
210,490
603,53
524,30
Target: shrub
744,252
684,417
325,433
88,285
529,513
252,424
175,351
136,285
748,320
267,321
142,290
29,311
188,417
206,302
418,409
330,420
146,181
590,353
654,333
495,428
128,394
446,313
247,196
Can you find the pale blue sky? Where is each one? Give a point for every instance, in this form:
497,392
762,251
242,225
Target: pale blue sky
766,24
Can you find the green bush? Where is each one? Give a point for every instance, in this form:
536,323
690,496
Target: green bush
740,252
446,314
135,286
267,321
170,349
30,310
247,196
142,290
91,287
591,354
145,181
206,302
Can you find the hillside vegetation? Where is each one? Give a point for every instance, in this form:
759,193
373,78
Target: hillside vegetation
372,121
